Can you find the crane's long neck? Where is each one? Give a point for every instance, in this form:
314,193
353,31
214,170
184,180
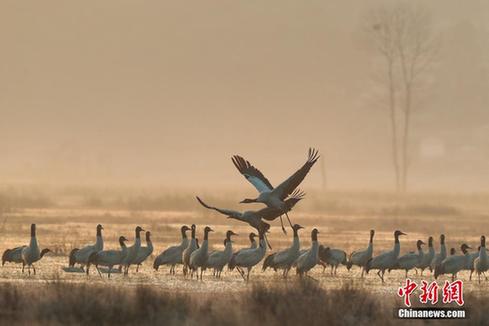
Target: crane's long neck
137,241
296,242
33,243
443,249
296,232
253,243
314,244
482,251
122,244
370,247
99,242
184,243
229,247
420,251
205,244
397,245
149,243
314,249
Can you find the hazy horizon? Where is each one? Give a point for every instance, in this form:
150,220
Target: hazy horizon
164,93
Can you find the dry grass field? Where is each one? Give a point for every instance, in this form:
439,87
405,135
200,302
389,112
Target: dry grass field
67,219
61,303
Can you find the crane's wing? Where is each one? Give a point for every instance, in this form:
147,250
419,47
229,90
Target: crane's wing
252,174
170,255
227,212
17,249
296,196
289,185
271,213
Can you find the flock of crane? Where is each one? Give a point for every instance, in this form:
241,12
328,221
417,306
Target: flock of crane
195,258
279,201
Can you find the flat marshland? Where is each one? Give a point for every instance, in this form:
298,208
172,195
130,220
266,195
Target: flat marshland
67,218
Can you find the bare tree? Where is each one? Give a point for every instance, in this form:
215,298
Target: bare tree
381,35
403,38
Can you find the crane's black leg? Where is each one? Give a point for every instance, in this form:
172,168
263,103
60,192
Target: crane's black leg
282,224
266,240
288,219
241,273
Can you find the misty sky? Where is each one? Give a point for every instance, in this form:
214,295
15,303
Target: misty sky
164,92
